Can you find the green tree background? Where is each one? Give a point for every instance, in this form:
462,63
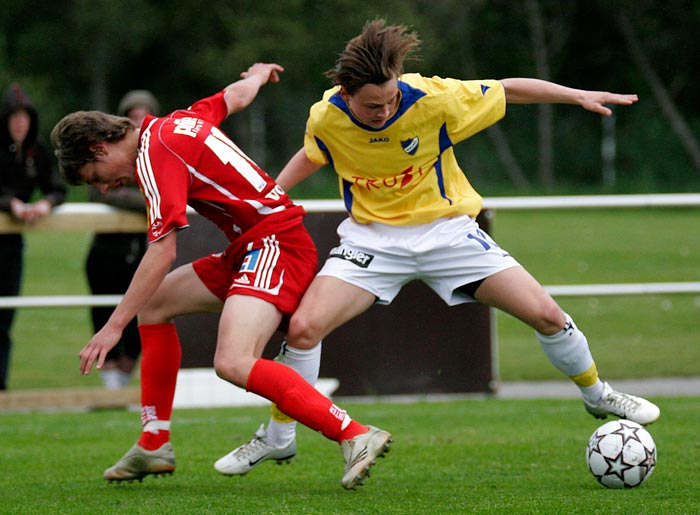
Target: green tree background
85,54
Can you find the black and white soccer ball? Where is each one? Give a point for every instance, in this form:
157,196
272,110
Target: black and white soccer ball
621,454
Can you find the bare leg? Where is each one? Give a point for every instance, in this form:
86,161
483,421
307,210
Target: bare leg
326,305
181,293
517,293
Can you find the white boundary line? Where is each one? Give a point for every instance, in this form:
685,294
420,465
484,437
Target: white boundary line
552,202
566,290
59,301
593,290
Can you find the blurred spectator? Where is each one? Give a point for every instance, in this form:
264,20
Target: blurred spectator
26,165
114,257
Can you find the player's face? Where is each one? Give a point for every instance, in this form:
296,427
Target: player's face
19,124
114,167
374,104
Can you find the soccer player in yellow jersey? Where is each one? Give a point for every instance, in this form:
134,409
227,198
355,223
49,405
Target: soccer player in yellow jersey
390,136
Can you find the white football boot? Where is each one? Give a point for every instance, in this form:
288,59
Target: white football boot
138,463
625,406
245,458
361,453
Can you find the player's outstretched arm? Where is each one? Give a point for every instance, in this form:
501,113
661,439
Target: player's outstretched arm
241,93
154,266
296,170
536,91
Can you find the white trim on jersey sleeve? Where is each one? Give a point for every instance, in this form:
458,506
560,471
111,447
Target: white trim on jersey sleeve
148,182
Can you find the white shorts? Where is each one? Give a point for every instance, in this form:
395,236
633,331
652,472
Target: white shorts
446,254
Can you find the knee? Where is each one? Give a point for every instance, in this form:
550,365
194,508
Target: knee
550,319
154,312
302,333
232,371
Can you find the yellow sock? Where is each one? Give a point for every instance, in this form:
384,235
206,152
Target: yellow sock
280,417
588,378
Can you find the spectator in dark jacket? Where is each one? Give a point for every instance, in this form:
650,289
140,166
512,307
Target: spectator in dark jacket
26,165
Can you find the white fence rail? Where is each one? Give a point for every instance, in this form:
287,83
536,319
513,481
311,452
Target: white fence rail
101,218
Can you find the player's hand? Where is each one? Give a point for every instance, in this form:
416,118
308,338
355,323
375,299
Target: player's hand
268,72
18,209
97,348
596,101
37,211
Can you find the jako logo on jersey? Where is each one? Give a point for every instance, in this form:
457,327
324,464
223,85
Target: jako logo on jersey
484,89
379,140
359,258
410,145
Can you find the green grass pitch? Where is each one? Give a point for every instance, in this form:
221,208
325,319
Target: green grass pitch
459,457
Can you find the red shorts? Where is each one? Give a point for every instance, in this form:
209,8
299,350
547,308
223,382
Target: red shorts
277,268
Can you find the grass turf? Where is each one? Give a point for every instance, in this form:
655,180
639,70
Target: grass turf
458,457
474,456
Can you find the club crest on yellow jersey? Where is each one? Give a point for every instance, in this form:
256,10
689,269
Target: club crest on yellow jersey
410,146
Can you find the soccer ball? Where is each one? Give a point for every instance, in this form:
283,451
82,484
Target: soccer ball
621,454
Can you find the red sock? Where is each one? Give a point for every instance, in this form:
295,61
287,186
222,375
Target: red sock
152,441
300,400
160,362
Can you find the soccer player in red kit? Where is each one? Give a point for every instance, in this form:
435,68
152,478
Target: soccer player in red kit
185,159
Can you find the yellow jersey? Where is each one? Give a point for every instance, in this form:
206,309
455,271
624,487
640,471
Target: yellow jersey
405,173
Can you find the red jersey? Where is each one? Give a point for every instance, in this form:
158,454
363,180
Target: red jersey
185,159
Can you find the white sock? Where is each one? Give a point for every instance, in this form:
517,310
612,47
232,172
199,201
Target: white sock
115,379
569,352
593,394
124,378
281,432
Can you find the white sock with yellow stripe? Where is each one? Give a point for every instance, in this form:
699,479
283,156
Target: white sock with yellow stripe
281,429
568,351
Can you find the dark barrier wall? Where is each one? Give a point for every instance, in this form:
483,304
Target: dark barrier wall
415,345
